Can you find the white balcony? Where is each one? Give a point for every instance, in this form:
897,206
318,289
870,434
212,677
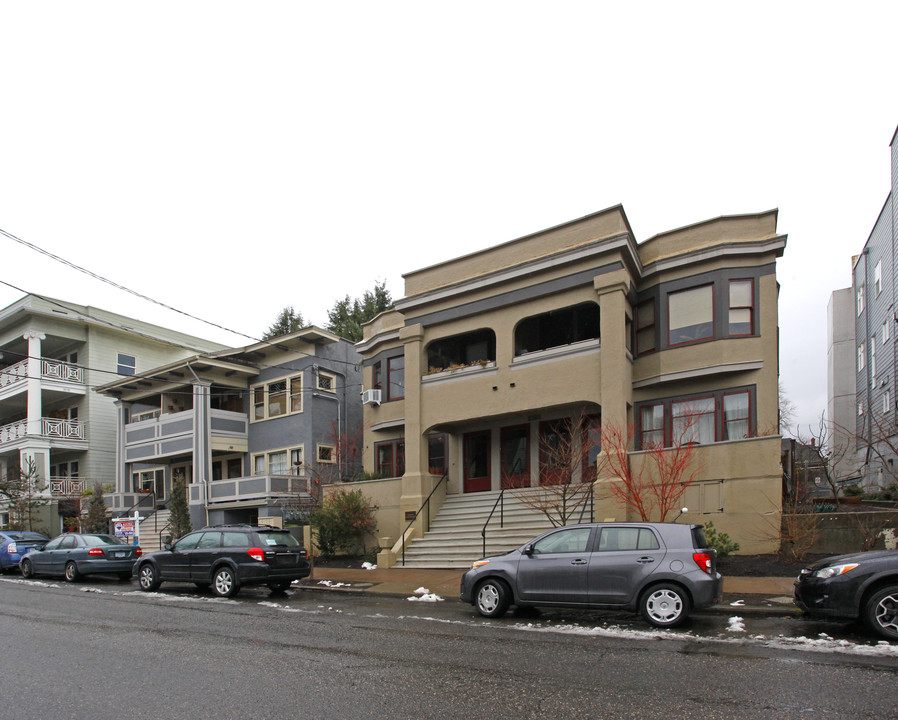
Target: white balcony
51,428
255,487
51,370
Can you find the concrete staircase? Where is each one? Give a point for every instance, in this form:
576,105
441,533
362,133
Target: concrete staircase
454,539
150,530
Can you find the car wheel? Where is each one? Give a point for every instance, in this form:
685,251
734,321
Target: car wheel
71,571
665,605
147,578
492,598
224,584
881,612
279,585
27,569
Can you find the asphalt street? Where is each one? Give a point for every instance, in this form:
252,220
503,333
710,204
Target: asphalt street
102,649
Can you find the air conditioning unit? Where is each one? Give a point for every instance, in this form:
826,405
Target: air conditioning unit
371,397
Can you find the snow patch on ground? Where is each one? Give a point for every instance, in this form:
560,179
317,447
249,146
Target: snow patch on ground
23,581
331,584
736,624
422,594
368,566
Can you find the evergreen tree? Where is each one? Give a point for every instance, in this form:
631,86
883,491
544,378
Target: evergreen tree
179,519
23,493
348,315
97,521
287,321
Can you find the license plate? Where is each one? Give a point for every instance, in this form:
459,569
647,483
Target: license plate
121,554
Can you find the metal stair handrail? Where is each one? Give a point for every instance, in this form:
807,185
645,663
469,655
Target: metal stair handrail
140,502
500,502
426,504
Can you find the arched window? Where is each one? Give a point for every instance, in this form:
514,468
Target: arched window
557,328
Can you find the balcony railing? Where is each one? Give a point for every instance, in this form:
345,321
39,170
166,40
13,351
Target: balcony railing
50,428
13,373
66,487
58,370
50,370
254,487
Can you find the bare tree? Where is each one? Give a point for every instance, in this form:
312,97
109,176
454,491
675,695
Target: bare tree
24,493
566,447
653,487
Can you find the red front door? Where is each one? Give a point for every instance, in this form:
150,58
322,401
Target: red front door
477,461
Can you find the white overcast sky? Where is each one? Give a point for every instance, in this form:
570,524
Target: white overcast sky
230,159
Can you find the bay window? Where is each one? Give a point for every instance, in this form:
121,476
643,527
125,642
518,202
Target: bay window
691,315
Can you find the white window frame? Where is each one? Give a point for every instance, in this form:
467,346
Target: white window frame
293,398
266,461
121,362
877,278
885,332
886,402
861,356
332,453
860,299
329,375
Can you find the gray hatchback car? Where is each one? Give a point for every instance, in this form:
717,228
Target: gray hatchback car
661,570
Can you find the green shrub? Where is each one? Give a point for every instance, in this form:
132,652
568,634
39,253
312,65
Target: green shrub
342,521
852,491
721,542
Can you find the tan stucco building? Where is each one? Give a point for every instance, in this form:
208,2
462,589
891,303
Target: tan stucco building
485,352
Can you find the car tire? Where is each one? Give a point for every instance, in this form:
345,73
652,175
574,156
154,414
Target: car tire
492,598
665,605
224,583
71,571
27,569
881,612
148,578
279,585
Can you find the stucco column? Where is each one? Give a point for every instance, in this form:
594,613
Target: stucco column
202,436
615,363
416,484
35,408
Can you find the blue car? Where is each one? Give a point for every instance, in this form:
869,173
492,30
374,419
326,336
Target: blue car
16,544
75,554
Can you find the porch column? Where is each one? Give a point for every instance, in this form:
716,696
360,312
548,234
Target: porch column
615,362
416,480
35,408
120,415
202,436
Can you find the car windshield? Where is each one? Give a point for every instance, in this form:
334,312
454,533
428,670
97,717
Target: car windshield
97,540
281,537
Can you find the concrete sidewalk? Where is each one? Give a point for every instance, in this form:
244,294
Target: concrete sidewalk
758,594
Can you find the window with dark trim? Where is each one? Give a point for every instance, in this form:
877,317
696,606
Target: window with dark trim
690,315
557,328
651,426
736,415
707,418
389,458
645,327
436,454
742,308
376,376
396,378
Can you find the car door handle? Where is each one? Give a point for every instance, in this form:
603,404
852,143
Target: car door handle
578,561
646,560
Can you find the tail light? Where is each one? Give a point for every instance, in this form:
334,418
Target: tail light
256,553
703,560
12,548
95,552
137,551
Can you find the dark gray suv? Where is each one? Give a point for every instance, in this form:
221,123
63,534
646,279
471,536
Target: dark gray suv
226,557
662,570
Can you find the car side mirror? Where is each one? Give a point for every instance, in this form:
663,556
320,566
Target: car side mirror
528,550
166,542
